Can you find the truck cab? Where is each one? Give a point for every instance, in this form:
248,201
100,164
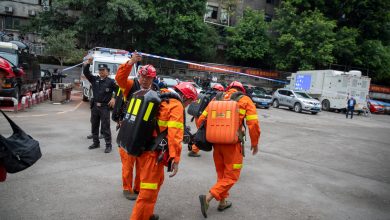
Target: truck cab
25,67
113,58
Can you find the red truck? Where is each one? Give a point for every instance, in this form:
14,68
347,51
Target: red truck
21,70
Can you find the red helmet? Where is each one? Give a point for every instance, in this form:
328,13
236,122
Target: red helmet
218,87
6,67
238,85
147,70
188,90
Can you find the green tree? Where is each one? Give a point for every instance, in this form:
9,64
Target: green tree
248,42
110,23
376,57
346,47
61,45
176,29
304,41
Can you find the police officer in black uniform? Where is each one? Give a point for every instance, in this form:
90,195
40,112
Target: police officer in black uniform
103,89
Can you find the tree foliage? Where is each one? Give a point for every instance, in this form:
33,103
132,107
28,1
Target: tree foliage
304,41
248,42
61,45
176,29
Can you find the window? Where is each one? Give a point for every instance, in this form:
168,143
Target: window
212,12
224,16
364,84
14,23
354,83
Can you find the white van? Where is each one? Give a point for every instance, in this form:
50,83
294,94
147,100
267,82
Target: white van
112,58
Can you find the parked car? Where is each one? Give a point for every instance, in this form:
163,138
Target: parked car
297,100
171,82
261,99
375,106
197,87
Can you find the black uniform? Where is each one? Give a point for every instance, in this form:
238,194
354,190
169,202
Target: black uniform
102,93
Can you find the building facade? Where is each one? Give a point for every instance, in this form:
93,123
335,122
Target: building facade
228,12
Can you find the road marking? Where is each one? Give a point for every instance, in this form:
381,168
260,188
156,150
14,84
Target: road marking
41,115
72,110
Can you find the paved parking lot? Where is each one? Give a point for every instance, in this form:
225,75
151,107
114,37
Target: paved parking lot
309,167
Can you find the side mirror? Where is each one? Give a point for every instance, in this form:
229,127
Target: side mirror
292,95
25,66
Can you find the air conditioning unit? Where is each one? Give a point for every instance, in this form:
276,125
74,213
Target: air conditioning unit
31,13
8,9
46,8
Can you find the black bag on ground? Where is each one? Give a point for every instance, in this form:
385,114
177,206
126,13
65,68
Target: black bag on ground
200,139
20,149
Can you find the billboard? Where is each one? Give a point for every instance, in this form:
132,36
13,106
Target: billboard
302,82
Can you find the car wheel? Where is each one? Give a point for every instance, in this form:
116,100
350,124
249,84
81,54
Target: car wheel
325,105
297,107
266,107
314,113
275,103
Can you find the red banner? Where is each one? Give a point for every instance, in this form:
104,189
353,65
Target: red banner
379,89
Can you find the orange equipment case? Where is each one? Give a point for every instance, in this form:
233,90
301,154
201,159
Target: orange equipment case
222,122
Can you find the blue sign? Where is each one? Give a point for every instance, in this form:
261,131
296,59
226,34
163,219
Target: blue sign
302,82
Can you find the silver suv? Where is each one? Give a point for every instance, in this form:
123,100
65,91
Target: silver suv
297,100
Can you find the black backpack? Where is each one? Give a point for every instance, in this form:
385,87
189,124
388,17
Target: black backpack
20,150
120,103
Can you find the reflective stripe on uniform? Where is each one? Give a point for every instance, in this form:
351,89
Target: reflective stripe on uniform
237,166
148,186
148,111
170,124
119,91
242,111
136,107
204,113
251,117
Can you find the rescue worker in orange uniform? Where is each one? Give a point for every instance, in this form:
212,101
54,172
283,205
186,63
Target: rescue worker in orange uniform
194,149
170,116
128,161
228,159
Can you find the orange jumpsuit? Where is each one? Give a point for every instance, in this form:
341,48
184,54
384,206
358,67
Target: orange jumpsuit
228,158
128,161
170,116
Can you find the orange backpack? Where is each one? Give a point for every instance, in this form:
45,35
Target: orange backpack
223,117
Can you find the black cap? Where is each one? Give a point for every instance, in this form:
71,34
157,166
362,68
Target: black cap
103,66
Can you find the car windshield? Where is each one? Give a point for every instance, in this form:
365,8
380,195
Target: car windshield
258,93
13,58
302,95
170,82
196,85
112,66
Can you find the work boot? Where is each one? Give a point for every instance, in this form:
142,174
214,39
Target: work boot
225,205
154,217
89,136
94,146
108,149
193,154
132,196
204,205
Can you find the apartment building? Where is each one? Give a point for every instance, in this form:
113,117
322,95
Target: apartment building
227,12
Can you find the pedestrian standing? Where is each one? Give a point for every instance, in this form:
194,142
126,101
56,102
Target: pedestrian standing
103,89
350,106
